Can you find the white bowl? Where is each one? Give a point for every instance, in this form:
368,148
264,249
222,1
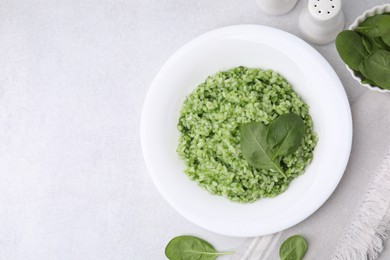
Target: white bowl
252,46
371,12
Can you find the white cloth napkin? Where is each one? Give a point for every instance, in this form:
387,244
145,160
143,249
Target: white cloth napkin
355,220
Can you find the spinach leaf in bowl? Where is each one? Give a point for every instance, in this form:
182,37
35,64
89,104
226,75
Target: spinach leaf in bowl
367,50
363,71
375,26
386,38
377,67
368,44
374,43
351,49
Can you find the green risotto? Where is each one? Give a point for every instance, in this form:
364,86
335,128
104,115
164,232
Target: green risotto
210,128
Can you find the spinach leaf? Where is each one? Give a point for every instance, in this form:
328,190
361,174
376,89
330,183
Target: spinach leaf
363,70
191,248
375,26
374,43
369,82
255,148
264,146
386,38
381,43
377,67
368,44
285,134
294,248
350,47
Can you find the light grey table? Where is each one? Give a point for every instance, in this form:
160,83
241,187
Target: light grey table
73,78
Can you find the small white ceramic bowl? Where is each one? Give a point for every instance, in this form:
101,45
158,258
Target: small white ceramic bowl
380,9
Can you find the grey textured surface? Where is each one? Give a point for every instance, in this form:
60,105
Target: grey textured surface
73,77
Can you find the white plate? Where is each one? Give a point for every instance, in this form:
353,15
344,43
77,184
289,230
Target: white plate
252,46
